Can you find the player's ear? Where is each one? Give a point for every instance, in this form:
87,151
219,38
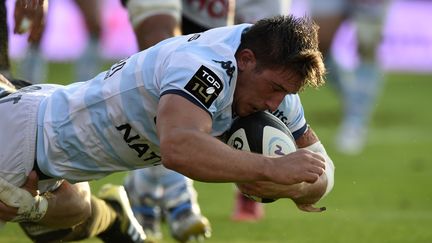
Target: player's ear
246,59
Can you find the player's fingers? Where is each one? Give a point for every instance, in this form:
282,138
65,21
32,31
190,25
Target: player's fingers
318,157
317,166
318,170
315,158
310,208
311,177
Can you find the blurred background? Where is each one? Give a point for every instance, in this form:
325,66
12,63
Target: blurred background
382,194
407,43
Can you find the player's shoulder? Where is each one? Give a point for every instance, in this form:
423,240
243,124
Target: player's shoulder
211,80
291,100
290,109
214,64
226,37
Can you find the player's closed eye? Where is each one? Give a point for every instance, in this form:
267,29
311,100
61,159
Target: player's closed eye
278,88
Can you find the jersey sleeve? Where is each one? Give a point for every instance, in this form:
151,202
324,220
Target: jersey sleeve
291,112
200,78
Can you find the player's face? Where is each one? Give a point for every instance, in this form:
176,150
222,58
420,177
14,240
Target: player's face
262,90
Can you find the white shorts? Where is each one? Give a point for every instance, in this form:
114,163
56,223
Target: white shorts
250,11
141,9
208,14
18,124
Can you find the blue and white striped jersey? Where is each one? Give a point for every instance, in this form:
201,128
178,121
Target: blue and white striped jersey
87,130
290,112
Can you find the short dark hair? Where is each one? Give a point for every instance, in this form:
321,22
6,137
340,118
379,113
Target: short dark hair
287,42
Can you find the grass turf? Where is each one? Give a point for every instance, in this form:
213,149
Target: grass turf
382,195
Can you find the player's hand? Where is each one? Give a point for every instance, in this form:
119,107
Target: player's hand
300,166
310,208
30,16
8,208
266,189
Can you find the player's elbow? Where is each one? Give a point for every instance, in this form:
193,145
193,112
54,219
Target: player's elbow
171,152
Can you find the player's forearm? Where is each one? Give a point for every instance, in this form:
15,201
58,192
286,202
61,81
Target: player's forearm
187,147
204,158
68,205
302,192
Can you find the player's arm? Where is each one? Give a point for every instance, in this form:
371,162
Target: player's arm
67,206
303,194
310,193
187,147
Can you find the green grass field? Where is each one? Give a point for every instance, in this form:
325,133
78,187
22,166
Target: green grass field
382,195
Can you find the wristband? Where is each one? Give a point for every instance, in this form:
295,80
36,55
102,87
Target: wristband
329,166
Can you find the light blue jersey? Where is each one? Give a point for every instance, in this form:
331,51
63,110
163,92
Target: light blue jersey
291,113
90,129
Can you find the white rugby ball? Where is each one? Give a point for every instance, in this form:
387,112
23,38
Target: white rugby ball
262,133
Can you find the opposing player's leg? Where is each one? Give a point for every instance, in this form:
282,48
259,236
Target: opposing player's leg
185,224
155,187
181,207
34,66
145,192
364,83
246,210
89,62
153,20
329,15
